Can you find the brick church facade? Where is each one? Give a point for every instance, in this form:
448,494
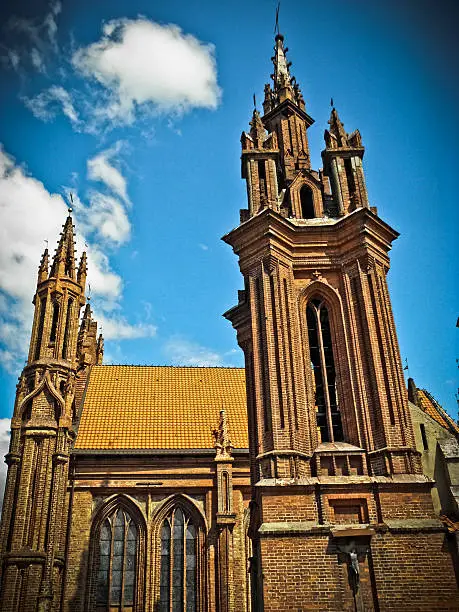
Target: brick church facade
291,484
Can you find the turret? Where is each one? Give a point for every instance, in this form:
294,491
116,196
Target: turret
342,159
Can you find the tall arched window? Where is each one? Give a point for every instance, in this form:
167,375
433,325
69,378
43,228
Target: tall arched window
55,320
323,365
118,555
307,203
68,319
178,588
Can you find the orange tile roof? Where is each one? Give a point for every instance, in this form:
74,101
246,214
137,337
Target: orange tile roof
434,410
161,407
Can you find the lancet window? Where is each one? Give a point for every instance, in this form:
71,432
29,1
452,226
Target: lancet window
323,365
179,563
118,555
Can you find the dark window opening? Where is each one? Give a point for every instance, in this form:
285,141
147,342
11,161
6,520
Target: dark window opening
262,180
307,203
52,336
324,374
350,180
67,329
425,442
39,336
179,564
116,575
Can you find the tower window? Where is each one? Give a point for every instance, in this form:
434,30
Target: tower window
262,181
323,366
67,329
54,323
425,442
350,179
307,203
178,574
117,563
41,323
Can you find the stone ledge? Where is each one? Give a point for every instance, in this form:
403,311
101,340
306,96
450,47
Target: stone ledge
311,481
293,528
401,525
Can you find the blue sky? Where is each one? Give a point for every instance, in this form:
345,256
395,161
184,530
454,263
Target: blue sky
137,108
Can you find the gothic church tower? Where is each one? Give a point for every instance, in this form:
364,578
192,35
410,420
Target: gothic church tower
338,490
34,518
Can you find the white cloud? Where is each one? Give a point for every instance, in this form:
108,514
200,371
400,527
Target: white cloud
48,103
4,448
106,217
101,168
143,63
117,328
183,352
28,215
203,246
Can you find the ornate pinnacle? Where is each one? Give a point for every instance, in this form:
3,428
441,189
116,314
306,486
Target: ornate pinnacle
82,269
44,266
337,128
222,442
257,130
100,350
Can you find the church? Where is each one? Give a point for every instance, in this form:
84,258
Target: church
291,484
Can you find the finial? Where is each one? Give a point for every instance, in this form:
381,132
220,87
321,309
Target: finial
89,291
331,102
222,441
254,102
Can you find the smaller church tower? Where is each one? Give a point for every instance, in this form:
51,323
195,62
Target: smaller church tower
32,534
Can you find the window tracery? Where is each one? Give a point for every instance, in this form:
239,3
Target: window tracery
323,366
118,556
179,563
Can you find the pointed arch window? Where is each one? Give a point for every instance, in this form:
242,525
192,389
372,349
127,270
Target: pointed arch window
68,321
178,588
323,366
118,560
55,320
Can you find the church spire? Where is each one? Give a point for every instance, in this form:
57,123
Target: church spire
64,258
285,86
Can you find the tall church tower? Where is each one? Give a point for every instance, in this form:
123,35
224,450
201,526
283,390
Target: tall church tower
34,518
341,515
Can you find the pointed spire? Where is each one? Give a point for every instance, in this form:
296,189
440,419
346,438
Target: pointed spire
285,86
337,128
281,75
82,270
44,266
257,130
64,258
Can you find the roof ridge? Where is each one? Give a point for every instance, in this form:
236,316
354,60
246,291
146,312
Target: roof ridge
153,365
